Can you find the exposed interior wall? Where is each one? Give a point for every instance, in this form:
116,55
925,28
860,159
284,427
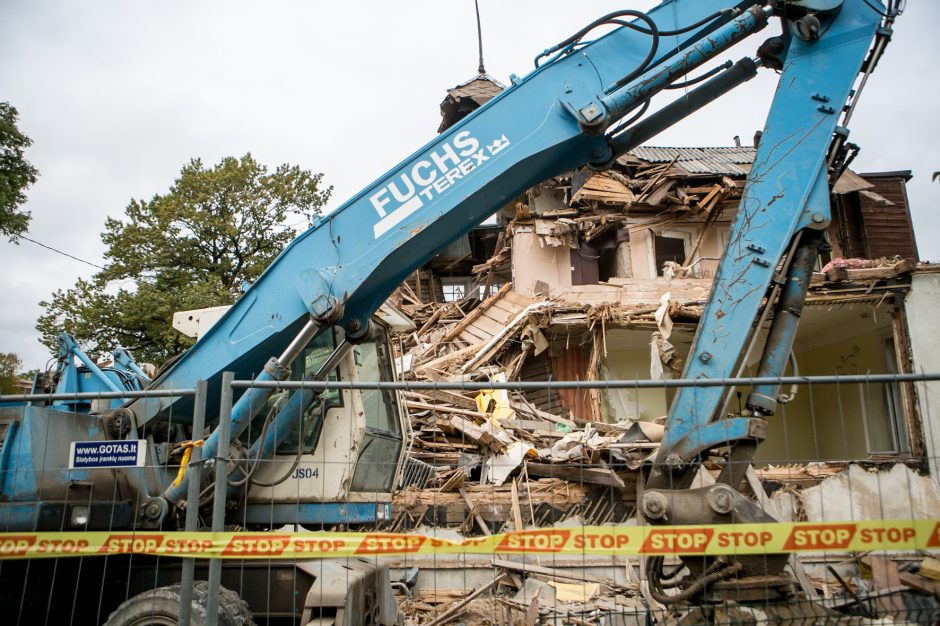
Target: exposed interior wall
533,261
570,362
623,261
921,309
710,249
828,422
624,404
628,358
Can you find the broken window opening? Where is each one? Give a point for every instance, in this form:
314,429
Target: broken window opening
454,291
886,432
671,246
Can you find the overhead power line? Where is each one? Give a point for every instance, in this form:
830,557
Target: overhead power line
57,251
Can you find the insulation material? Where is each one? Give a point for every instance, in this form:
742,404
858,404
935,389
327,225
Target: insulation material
663,321
535,337
500,466
575,592
664,362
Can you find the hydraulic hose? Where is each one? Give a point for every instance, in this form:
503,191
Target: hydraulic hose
257,460
300,449
606,19
725,81
652,30
694,81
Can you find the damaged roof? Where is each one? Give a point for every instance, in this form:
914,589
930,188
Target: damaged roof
481,88
731,161
466,97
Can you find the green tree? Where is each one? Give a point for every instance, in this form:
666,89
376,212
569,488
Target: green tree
190,248
9,367
16,174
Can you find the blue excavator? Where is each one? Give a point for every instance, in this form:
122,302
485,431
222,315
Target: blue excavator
312,313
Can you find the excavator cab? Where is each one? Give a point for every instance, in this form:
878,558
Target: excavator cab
339,463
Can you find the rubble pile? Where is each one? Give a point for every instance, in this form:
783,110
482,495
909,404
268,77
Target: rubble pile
558,460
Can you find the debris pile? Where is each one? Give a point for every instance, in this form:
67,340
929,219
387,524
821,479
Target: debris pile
530,594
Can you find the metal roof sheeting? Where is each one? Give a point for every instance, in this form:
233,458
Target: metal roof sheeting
730,161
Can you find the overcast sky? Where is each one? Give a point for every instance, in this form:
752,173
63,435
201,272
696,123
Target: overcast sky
117,96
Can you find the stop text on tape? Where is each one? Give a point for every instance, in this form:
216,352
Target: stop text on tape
732,539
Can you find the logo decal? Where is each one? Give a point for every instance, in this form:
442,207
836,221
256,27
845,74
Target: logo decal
430,176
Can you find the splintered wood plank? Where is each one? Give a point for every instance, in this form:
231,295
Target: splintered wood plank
421,406
499,316
458,355
486,325
516,508
471,334
518,299
574,473
557,574
448,398
504,310
472,508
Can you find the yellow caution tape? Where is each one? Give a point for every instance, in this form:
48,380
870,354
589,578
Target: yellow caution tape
184,462
729,539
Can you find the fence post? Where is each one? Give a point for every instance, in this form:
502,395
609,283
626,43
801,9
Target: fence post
194,469
218,501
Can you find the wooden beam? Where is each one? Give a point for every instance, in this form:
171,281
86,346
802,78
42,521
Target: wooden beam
487,435
421,406
557,574
453,357
516,508
526,407
920,583
460,607
444,396
471,507
577,473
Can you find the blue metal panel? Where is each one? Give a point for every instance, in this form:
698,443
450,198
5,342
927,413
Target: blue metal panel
316,513
786,190
19,516
34,467
717,433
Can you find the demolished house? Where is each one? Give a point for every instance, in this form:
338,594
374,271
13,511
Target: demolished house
599,276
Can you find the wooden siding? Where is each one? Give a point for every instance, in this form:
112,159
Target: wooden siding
888,229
